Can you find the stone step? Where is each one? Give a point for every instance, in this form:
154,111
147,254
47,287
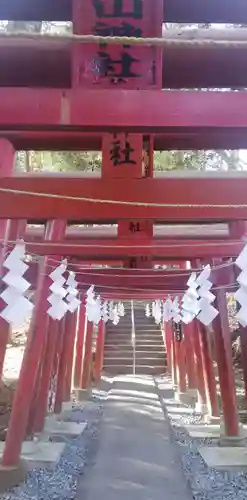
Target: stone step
152,355
126,333
128,324
123,321
147,330
139,346
138,335
117,342
138,326
129,361
119,359
128,341
128,347
127,329
137,332
140,369
116,331
149,340
150,352
110,353
117,336
148,335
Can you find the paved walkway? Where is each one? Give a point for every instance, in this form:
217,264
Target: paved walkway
136,459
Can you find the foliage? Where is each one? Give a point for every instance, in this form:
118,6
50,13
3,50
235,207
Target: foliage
54,161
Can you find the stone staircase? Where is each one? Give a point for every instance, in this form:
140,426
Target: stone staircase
149,346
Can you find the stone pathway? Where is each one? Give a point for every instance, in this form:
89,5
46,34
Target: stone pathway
137,457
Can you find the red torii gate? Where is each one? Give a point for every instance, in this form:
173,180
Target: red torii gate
114,100
178,11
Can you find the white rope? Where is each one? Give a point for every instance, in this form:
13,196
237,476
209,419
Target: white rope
170,274
141,245
156,272
144,289
165,41
160,291
120,202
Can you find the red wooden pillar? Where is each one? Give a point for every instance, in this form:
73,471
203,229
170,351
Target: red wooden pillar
31,361
87,362
190,356
45,378
82,327
99,350
180,361
10,230
72,328
225,366
243,343
208,372
198,357
189,345
39,403
173,359
202,399
168,345
34,407
7,163
238,230
60,366
57,357
181,370
66,362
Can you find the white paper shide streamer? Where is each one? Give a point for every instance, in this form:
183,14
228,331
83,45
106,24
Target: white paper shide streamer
90,302
105,311
161,311
121,310
111,310
198,299
157,311
207,311
72,293
190,306
167,310
59,306
241,294
18,306
97,310
176,311
93,306
147,311
116,317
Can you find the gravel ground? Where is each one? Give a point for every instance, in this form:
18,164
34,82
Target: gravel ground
206,483
60,483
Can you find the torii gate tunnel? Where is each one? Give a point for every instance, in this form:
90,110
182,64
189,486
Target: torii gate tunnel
125,99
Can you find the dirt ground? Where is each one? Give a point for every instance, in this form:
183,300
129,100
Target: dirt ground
12,366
